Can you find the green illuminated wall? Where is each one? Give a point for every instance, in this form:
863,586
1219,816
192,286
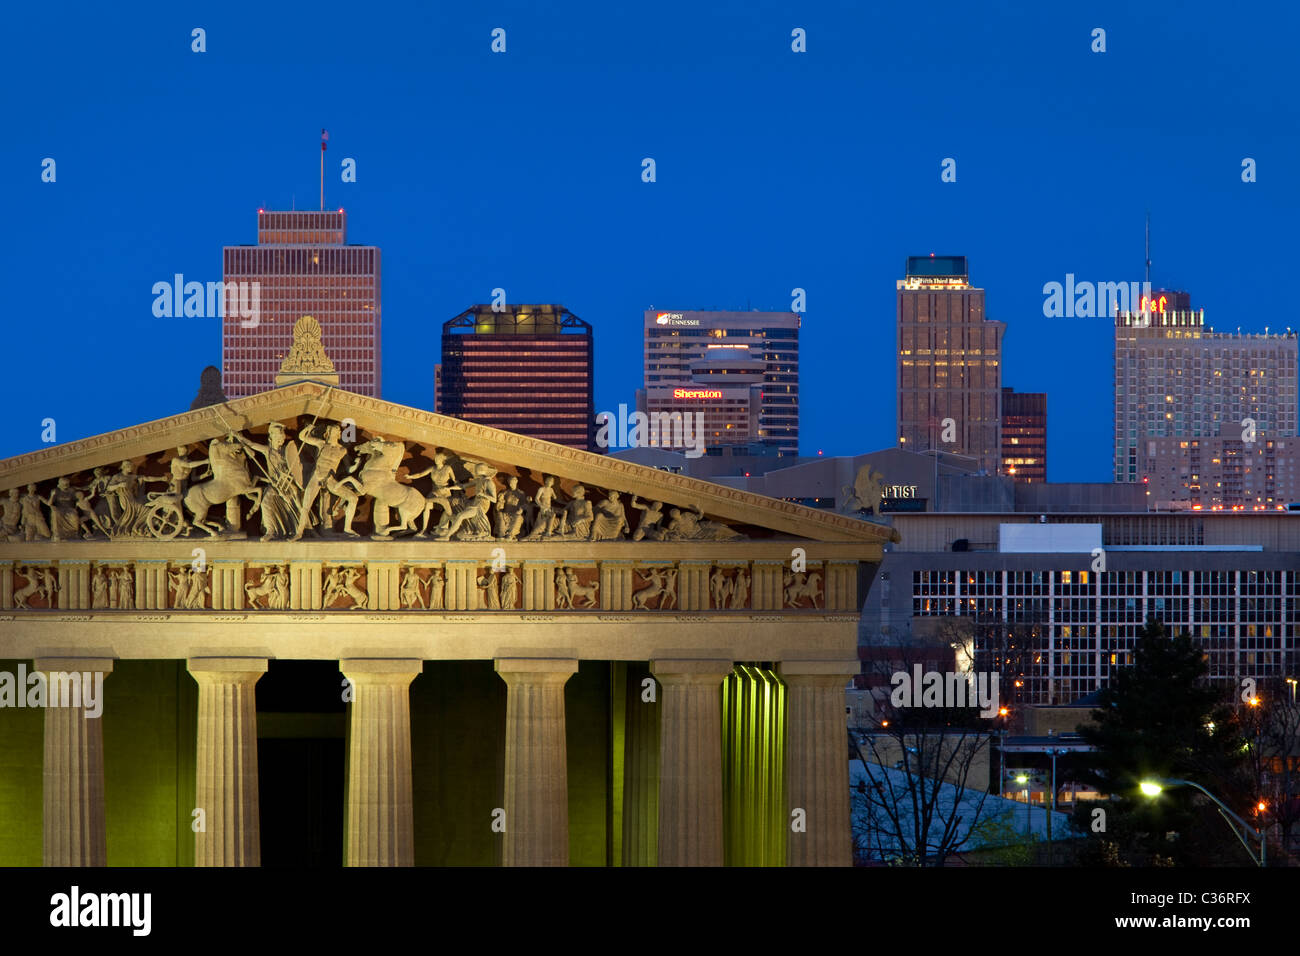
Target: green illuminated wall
753,767
150,721
458,739
22,735
588,733
148,727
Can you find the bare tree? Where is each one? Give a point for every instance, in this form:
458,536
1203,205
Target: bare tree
1272,730
921,796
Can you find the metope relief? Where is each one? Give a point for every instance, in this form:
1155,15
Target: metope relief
658,589
800,586
39,590
345,588
574,590
266,586
188,587
456,585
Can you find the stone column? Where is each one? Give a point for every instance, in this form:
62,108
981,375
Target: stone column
690,761
537,773
380,815
226,774
73,776
817,762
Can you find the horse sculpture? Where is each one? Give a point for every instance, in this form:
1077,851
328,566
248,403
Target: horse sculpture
797,588
229,481
379,479
662,585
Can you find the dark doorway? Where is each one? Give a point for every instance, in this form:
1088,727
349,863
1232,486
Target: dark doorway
301,784
301,727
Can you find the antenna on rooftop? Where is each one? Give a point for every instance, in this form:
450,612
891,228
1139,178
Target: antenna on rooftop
1148,249
324,138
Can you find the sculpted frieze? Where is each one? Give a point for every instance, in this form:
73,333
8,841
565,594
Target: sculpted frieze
356,585
322,481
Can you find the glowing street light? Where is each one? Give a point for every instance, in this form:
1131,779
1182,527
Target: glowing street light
1240,828
1023,780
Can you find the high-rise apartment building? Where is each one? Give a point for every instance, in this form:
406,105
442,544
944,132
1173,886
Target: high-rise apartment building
1024,435
949,363
302,265
1198,412
528,369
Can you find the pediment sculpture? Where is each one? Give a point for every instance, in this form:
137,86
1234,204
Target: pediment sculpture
291,483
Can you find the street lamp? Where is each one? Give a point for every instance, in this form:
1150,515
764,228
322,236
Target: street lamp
1292,682
1240,828
1023,779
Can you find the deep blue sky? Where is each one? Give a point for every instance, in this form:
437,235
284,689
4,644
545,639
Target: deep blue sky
775,170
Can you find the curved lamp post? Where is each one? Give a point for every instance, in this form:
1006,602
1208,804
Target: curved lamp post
1242,830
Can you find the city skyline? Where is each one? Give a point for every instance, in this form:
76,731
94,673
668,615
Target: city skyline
627,444
1035,199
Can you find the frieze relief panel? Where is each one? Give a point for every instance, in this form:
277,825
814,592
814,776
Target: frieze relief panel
452,585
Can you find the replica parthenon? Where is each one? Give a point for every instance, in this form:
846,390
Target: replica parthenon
309,523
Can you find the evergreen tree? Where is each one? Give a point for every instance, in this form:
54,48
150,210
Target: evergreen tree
1161,718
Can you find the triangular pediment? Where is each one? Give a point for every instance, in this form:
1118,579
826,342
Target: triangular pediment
405,458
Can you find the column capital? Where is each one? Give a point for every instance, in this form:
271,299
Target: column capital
381,670
98,665
689,671
226,669
541,669
818,673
